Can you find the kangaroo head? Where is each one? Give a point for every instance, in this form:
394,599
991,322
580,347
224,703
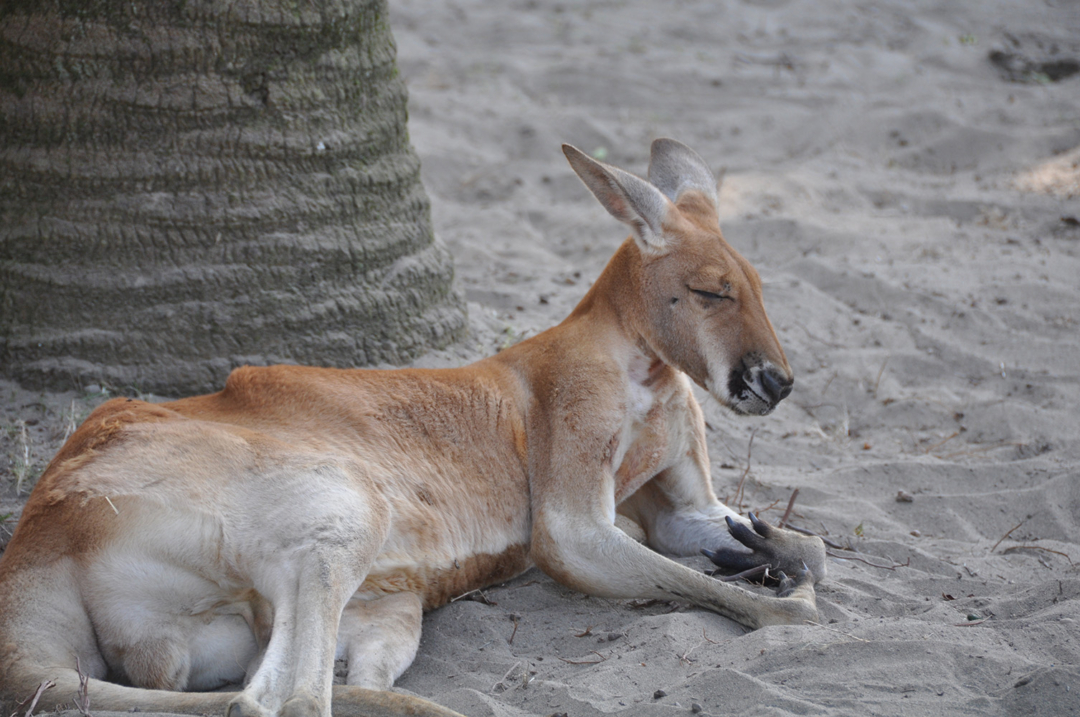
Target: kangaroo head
693,299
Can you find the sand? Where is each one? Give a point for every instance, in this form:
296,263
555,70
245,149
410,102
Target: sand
904,176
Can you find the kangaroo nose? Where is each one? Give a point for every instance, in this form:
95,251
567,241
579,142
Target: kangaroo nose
777,385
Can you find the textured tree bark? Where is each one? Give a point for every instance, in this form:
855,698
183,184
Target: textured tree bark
191,185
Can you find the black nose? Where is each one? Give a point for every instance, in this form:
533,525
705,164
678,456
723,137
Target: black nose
777,385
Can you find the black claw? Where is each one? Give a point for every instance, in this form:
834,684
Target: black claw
744,535
787,585
729,559
763,529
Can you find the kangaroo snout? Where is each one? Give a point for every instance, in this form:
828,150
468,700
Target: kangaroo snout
757,389
777,386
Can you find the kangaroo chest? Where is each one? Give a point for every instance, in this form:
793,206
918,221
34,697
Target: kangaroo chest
644,436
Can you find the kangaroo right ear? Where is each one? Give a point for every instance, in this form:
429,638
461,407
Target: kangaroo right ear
674,168
629,199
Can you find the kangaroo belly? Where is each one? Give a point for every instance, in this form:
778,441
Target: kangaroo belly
161,626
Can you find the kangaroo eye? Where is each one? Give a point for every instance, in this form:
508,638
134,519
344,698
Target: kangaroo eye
709,295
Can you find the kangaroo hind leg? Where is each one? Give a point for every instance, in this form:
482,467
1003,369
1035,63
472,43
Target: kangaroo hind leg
307,557
380,638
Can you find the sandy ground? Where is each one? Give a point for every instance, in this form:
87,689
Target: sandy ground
904,176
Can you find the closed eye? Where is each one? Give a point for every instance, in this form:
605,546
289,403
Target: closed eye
709,295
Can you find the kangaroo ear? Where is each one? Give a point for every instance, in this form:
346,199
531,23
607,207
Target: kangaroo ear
629,199
674,168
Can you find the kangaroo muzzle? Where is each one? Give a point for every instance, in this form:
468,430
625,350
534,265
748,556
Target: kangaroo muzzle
758,389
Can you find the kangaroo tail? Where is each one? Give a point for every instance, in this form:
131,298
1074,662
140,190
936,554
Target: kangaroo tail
66,687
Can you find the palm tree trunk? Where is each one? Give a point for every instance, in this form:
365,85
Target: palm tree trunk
191,185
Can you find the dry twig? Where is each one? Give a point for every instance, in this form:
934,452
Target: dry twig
1037,547
830,344
685,657
879,373
82,700
742,480
830,543
70,424
502,682
829,383
1008,534
894,566
586,662
526,676
514,633
476,596
767,508
943,441
839,632
790,505
23,464
33,700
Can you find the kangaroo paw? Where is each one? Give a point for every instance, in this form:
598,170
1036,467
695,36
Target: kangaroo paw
778,549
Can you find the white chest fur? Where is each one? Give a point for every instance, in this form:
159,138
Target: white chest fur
640,398
640,395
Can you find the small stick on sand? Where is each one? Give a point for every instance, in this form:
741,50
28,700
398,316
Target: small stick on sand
526,676
830,344
685,657
586,662
839,632
514,633
476,596
879,373
455,599
1009,533
769,507
894,566
47,684
943,441
829,383
502,682
825,540
790,505
1037,547
742,480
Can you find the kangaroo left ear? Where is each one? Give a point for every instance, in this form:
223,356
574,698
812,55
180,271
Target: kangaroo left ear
675,168
629,199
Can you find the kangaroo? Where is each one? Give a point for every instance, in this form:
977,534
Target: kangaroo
305,514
